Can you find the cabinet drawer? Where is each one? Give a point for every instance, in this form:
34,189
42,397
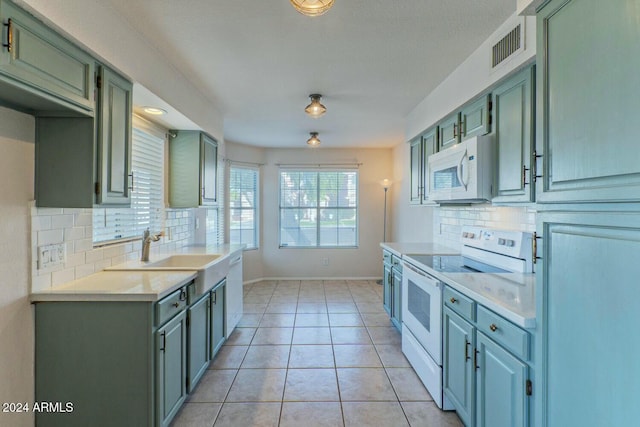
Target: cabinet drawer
386,257
504,333
171,305
396,263
459,303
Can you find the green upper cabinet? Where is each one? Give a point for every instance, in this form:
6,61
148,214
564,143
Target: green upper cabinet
82,162
193,169
39,68
475,118
588,56
449,131
513,132
421,148
114,135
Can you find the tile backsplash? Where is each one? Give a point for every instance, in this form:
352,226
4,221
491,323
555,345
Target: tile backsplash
448,220
73,228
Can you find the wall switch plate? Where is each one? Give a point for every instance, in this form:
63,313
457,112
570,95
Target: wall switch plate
51,255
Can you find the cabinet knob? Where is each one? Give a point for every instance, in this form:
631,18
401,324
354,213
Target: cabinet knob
176,304
453,300
493,327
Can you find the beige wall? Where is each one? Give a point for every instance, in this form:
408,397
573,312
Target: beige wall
272,262
16,316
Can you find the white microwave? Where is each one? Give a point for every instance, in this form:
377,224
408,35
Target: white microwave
463,173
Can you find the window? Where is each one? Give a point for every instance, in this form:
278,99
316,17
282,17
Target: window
243,206
318,208
147,202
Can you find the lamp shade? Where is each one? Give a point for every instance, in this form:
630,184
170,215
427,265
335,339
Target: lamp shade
386,183
315,109
312,7
314,141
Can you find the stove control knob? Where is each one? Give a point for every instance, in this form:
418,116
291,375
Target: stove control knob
465,235
501,241
511,243
471,235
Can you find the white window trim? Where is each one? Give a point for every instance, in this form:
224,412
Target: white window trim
256,219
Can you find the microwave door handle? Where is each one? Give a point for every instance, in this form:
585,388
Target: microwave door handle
459,171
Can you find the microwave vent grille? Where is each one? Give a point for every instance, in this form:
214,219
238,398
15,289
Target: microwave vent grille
507,46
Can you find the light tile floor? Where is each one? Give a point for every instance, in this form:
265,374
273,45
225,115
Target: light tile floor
312,353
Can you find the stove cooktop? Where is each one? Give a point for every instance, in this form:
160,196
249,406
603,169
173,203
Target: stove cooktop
454,264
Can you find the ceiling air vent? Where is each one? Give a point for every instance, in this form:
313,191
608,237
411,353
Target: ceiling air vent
507,46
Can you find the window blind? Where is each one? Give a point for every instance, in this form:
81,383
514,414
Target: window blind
147,195
243,205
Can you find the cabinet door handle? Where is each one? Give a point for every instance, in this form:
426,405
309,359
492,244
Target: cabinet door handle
475,360
164,341
183,294
453,300
455,135
525,169
9,43
493,327
215,297
131,186
466,350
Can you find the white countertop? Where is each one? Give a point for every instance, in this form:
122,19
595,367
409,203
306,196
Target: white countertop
118,286
114,284
511,295
428,248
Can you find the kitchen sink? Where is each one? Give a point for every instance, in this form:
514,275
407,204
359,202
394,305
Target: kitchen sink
211,268
182,262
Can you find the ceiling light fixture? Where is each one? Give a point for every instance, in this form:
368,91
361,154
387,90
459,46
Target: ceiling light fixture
155,111
315,109
313,141
312,7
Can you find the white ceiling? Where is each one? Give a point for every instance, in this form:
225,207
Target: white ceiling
372,60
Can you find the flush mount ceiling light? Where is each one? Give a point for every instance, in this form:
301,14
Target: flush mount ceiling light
313,141
155,111
312,7
315,109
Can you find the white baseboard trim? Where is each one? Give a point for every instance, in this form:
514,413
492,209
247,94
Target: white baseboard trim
249,282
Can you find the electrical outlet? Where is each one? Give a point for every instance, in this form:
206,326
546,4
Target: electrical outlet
51,255
325,262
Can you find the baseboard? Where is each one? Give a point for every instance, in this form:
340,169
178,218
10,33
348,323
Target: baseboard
249,282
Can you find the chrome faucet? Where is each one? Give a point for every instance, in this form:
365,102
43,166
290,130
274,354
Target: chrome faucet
147,238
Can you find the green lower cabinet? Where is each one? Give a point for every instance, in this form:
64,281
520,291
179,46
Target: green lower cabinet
171,368
501,383
396,298
386,283
459,376
217,317
588,292
198,331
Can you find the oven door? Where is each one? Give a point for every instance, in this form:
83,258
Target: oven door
422,310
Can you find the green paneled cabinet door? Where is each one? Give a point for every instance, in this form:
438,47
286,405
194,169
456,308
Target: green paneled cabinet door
396,298
513,133
198,332
501,382
38,59
449,131
114,139
587,285
193,169
429,147
171,368
588,59
217,317
458,370
475,118
415,164
386,291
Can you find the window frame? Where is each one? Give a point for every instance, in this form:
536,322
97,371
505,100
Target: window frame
318,208
256,208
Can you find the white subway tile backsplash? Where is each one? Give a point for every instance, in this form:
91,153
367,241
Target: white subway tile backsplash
41,282
61,221
94,255
83,245
39,223
63,276
48,237
84,270
83,219
74,233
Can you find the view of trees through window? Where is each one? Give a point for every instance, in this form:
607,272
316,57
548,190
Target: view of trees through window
243,197
318,208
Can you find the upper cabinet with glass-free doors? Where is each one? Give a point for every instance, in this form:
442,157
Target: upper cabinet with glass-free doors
193,169
421,148
473,119
588,82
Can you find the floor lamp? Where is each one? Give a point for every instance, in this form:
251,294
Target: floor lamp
386,183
